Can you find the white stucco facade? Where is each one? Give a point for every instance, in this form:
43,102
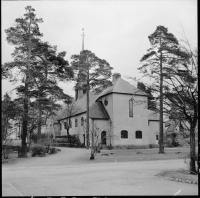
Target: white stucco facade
119,119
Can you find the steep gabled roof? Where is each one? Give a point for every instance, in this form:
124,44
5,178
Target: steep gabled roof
96,108
123,87
97,111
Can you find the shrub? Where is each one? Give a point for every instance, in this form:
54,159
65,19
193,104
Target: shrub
153,146
61,140
75,140
136,147
6,150
38,150
52,150
82,145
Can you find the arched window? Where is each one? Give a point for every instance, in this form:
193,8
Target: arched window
131,107
82,121
138,134
124,134
76,122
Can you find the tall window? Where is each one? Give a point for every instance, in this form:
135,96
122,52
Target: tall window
82,121
131,107
124,134
70,123
60,125
76,94
156,137
138,134
65,124
76,122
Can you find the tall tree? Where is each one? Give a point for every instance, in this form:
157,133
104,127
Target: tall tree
93,74
181,94
48,68
151,99
164,46
23,36
8,112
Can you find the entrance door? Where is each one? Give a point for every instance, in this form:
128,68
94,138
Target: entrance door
103,137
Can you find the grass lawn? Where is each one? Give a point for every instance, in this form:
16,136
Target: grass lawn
143,154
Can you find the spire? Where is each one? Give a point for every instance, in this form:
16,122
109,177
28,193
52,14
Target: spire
83,39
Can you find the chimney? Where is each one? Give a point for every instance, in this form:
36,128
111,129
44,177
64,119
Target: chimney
116,76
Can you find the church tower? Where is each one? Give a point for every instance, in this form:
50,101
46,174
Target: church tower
79,90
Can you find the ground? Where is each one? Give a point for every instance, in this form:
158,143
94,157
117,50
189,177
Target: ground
71,173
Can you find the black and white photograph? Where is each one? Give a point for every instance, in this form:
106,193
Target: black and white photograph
99,98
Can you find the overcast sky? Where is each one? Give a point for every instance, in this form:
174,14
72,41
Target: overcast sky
116,31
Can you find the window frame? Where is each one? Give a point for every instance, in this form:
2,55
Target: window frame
76,122
70,123
65,125
131,108
156,137
106,101
124,134
82,121
138,134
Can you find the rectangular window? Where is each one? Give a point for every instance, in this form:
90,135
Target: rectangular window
60,126
156,137
124,134
70,123
131,107
65,124
138,134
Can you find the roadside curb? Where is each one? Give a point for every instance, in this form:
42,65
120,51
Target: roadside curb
180,180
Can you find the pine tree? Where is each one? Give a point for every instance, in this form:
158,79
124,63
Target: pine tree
93,75
164,46
22,36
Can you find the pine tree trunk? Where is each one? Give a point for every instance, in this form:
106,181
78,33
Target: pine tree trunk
39,122
93,146
25,116
24,122
161,143
87,118
192,149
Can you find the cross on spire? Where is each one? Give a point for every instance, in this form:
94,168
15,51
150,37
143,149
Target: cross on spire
83,39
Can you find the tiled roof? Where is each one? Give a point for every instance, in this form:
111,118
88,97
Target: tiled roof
96,108
97,111
122,86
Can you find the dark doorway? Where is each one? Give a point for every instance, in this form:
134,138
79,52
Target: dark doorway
103,137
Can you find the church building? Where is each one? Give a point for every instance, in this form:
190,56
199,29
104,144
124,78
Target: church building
119,112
